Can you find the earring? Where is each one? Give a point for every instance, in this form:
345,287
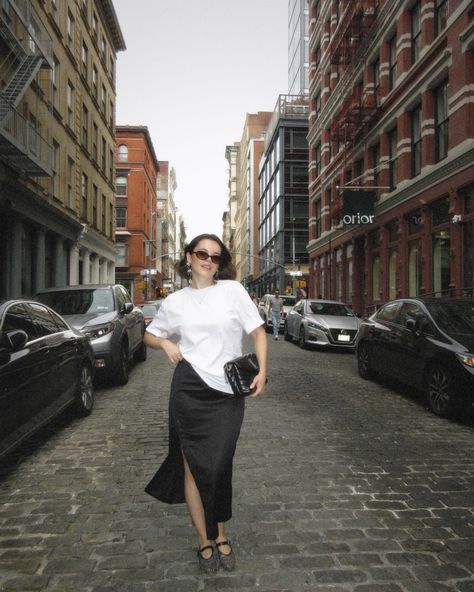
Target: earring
188,271
216,275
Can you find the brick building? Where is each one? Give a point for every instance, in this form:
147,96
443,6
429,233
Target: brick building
57,118
392,111
136,213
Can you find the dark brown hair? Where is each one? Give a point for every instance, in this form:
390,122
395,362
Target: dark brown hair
226,269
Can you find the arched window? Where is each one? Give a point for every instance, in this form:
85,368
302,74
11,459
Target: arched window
123,153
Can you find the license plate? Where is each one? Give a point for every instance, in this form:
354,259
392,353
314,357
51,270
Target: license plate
343,337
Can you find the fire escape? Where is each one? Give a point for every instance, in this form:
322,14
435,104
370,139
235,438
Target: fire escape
359,105
25,48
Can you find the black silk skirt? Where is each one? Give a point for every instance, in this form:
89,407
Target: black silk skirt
204,425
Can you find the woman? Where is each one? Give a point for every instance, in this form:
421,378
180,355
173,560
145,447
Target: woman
208,318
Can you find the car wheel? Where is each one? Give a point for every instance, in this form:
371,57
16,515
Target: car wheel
302,338
85,391
141,353
364,364
441,390
286,335
122,370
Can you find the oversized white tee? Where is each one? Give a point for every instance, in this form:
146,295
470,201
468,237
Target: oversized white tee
209,324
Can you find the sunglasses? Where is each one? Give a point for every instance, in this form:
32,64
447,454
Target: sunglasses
203,255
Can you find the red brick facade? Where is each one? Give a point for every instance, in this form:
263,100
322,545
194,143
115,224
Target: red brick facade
392,108
136,171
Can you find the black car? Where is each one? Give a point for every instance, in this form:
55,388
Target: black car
106,314
45,366
426,343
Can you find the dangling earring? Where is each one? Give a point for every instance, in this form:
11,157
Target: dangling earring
189,272
216,275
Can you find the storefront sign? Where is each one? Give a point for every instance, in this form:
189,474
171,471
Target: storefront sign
358,207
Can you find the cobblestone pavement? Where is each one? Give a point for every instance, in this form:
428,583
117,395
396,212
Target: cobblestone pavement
340,485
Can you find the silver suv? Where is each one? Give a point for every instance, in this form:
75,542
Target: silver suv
106,314
264,303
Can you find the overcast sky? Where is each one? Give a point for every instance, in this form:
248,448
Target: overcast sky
191,72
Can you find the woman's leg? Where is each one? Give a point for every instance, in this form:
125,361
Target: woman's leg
221,536
196,510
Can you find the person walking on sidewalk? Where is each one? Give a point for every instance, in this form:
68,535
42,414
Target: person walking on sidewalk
275,308
208,319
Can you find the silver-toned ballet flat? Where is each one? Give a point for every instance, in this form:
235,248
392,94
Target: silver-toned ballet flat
209,565
227,560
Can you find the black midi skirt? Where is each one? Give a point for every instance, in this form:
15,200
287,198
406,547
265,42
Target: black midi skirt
204,425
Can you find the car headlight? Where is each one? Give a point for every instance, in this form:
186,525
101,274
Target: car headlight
314,325
466,359
98,330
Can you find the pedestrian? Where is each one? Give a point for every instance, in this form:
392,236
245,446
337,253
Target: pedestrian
254,298
275,308
207,319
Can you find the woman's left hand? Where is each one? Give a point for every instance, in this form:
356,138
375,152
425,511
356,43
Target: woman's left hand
259,383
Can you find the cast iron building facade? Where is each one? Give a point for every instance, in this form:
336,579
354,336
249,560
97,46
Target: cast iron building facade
392,109
57,110
283,204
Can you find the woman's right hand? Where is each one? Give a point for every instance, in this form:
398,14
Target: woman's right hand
172,351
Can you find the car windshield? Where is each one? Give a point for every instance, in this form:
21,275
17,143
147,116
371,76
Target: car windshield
288,300
453,316
333,309
72,302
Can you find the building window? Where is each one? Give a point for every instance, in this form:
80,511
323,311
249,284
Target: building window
376,278
441,15
104,213
416,141
414,268
85,60
70,182
70,104
54,10
84,193
376,164
392,274
111,114
317,104
441,121
55,81
376,77
103,99
121,214
103,48
121,186
85,127
94,82
392,158
104,155
318,218
121,255
392,62
70,30
55,167
415,32
95,141
318,160
111,219
441,261
123,153
95,28
95,205
111,165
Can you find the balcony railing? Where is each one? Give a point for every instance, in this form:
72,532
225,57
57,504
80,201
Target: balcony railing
22,146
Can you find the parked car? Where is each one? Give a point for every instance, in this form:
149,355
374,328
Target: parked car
426,343
264,303
325,323
45,366
105,314
149,310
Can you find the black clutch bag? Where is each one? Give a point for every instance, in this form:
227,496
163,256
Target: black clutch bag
240,373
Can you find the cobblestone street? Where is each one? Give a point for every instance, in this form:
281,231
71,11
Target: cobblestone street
339,485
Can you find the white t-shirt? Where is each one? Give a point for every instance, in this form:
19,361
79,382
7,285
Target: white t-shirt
209,324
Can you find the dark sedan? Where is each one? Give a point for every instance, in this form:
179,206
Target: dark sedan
426,343
45,366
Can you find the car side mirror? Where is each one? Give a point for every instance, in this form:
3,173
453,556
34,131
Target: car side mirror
15,340
127,308
412,325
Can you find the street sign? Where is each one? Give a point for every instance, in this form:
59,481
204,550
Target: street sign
295,273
